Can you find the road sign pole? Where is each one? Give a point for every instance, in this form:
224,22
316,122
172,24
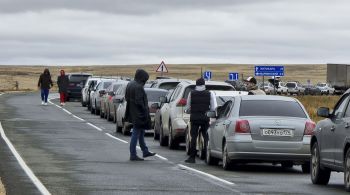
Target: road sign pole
264,83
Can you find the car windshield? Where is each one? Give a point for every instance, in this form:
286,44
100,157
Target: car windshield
153,96
271,108
291,85
208,87
222,99
168,85
321,85
78,78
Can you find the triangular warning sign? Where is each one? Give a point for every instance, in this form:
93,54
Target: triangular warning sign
162,67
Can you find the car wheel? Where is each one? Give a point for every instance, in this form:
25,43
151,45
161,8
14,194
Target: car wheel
156,132
125,128
319,175
188,142
115,116
97,112
83,104
117,128
306,167
92,110
108,115
347,171
226,162
209,159
162,139
287,164
172,142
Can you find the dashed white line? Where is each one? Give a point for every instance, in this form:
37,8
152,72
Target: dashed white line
205,174
67,111
99,129
161,157
78,118
24,166
111,136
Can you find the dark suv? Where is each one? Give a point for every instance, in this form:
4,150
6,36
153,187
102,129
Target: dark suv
76,83
331,142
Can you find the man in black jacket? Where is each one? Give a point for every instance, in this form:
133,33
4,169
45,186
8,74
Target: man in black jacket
199,102
137,113
45,83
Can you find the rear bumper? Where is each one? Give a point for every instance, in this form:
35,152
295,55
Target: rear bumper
74,93
242,147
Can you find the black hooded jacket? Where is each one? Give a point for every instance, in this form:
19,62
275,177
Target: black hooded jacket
137,111
45,81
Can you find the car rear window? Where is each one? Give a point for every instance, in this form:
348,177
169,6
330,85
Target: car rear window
106,85
168,85
153,96
291,85
271,108
78,78
208,87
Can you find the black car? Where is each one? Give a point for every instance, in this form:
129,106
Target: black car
312,90
76,84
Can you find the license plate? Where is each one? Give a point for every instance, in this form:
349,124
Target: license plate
278,132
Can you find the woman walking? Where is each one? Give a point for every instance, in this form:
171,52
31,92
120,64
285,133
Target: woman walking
45,83
62,82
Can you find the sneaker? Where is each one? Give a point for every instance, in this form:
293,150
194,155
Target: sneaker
45,104
149,154
62,104
42,103
190,160
136,158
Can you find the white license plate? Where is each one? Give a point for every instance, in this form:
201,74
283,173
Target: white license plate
278,132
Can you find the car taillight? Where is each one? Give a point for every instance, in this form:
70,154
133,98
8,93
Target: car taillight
242,126
309,128
182,102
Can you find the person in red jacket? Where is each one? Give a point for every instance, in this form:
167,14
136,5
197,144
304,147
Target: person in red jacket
62,82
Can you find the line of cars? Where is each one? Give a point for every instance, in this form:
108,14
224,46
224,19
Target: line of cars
242,129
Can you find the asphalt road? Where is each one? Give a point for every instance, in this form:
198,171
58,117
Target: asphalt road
73,152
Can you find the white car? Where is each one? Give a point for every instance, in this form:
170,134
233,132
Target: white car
97,93
85,92
295,87
121,124
326,88
174,120
221,97
282,89
268,87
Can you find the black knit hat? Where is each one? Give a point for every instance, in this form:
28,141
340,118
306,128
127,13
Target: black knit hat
200,82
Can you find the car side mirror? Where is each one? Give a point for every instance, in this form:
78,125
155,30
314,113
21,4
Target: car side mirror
163,99
211,114
155,106
323,112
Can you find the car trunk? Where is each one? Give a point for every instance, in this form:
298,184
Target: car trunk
276,128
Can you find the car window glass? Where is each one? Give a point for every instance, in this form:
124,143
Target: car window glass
176,93
224,110
340,107
168,85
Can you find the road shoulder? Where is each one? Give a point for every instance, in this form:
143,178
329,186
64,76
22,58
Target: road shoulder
2,188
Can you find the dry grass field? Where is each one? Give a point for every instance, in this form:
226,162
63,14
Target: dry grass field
27,76
312,103
2,189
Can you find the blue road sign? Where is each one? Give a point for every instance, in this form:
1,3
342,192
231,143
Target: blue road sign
207,75
233,76
269,70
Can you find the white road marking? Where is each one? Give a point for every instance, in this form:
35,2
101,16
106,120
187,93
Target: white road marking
111,136
78,118
99,129
67,111
161,157
1,94
205,174
24,166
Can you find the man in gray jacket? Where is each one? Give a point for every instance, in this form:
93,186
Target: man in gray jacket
252,88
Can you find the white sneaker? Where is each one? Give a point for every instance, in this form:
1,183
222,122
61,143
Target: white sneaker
42,103
45,104
62,104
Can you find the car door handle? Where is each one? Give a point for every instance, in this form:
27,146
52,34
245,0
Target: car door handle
332,128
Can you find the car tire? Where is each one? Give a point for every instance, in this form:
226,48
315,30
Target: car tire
347,171
97,112
117,128
172,142
115,115
108,115
83,104
209,159
226,162
162,138
319,175
306,167
287,164
125,128
92,110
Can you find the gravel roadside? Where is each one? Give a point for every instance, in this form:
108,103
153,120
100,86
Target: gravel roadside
2,189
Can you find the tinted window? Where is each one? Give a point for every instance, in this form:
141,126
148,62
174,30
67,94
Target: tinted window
222,99
168,86
224,110
339,109
116,87
208,87
106,84
176,93
271,108
78,78
153,96
292,85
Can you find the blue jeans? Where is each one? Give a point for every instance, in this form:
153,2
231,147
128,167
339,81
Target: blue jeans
138,134
44,94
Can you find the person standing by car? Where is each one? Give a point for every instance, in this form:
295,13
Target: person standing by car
137,113
199,102
252,88
45,83
62,82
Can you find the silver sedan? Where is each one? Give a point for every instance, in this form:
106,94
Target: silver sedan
260,129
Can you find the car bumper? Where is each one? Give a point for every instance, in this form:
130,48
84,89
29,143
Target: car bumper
242,147
179,127
74,93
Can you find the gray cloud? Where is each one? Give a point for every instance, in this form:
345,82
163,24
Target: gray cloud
180,31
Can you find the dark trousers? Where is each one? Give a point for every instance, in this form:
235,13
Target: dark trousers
195,128
138,134
44,95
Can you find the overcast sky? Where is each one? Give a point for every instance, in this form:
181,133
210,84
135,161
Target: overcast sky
74,32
